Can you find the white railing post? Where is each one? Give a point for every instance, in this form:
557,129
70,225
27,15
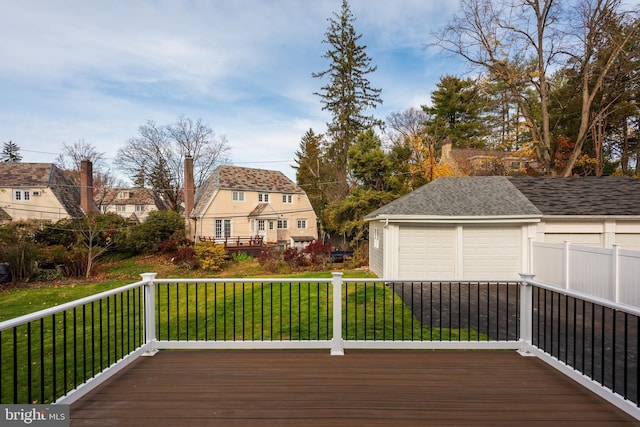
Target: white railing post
149,313
526,314
337,343
615,253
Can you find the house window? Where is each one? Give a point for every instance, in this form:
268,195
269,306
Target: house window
263,197
270,225
125,195
302,223
287,199
222,228
121,208
376,239
261,225
21,195
103,208
515,165
238,196
139,208
282,224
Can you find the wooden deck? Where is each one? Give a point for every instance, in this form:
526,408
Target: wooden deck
368,388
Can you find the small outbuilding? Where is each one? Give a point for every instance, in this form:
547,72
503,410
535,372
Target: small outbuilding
483,227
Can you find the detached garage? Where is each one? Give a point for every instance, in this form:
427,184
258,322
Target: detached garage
483,227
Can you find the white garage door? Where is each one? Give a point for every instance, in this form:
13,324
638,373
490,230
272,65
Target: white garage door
492,253
593,240
426,253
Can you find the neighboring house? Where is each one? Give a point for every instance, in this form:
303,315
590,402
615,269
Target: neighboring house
237,202
133,204
483,227
39,191
483,162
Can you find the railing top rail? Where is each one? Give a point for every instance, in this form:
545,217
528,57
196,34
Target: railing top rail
397,280
248,280
589,298
17,321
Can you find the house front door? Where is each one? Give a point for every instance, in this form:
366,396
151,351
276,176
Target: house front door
262,228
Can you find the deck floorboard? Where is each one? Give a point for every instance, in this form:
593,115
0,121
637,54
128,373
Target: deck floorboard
368,388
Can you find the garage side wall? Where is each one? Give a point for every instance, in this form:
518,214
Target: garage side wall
376,248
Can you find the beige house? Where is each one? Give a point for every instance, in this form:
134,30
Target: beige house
483,162
39,191
133,204
237,202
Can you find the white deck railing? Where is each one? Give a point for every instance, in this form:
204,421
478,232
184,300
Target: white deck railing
83,343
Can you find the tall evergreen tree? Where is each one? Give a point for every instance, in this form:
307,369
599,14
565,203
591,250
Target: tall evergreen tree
11,153
457,107
348,93
313,173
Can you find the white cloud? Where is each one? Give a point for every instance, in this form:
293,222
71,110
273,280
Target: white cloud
77,69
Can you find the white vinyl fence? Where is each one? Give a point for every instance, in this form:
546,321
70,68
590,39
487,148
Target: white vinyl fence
612,274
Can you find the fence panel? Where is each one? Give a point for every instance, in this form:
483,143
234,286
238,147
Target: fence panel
548,262
591,271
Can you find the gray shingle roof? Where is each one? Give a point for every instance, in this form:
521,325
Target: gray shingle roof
48,175
593,196
515,196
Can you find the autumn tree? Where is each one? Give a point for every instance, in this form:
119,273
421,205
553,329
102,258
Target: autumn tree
519,43
155,157
10,153
348,94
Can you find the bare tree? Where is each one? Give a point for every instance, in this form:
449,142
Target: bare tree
72,155
155,156
521,42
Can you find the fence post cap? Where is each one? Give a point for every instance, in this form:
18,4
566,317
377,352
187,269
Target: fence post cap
148,277
527,276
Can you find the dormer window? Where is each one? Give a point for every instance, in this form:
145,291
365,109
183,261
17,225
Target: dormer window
125,195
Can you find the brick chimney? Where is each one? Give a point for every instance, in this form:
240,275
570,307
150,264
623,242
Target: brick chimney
86,186
189,187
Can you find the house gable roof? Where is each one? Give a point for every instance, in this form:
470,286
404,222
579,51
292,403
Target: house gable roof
138,196
47,175
499,196
241,179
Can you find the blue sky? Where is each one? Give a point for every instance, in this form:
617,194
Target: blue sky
97,70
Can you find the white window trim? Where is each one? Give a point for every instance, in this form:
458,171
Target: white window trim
287,199
238,196
263,197
303,222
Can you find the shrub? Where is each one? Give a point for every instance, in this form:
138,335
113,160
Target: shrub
271,260
172,246
185,257
318,252
21,257
210,256
159,226
240,257
294,258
